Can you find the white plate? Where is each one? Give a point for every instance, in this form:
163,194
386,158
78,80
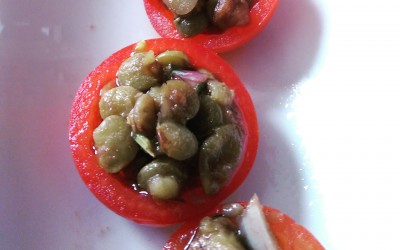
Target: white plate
324,78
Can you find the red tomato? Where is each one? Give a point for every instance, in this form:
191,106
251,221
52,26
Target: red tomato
260,13
288,233
113,191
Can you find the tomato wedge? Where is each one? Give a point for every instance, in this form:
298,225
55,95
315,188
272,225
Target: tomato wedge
121,197
260,13
288,233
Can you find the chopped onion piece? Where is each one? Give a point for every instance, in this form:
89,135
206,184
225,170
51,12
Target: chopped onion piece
145,144
190,76
255,227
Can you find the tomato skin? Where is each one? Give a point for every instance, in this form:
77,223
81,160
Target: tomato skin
114,192
260,13
288,233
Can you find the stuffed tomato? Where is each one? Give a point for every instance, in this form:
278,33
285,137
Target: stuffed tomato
219,25
162,131
243,225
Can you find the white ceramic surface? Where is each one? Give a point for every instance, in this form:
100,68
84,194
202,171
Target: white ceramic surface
324,76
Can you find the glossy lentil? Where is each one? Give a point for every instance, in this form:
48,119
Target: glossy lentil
138,71
118,101
162,178
115,148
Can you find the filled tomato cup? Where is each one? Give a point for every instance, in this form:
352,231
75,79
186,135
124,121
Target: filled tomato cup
219,25
243,225
162,131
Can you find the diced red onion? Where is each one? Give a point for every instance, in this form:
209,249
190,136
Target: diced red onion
190,76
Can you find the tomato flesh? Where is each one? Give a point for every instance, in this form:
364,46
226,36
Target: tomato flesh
260,14
288,233
119,195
